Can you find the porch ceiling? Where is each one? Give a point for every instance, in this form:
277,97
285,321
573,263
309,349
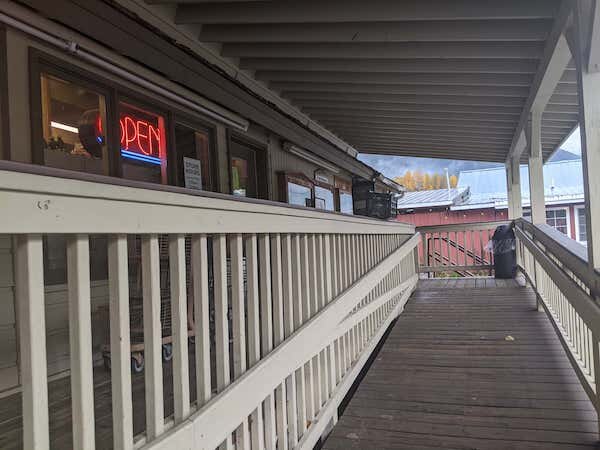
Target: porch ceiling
434,78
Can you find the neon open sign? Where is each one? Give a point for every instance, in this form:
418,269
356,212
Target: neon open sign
140,139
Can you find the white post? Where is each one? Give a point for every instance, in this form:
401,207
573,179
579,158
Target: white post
536,170
589,116
513,177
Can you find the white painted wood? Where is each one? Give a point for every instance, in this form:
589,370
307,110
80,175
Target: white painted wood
266,301
282,419
120,353
221,310
589,111
287,267
159,211
179,327
238,309
153,373
80,341
536,171
199,260
251,246
29,295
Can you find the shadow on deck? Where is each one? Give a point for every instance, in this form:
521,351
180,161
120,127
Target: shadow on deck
470,364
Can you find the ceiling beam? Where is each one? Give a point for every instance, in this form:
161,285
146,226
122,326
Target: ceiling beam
454,79
527,66
294,11
438,141
401,98
394,116
549,67
428,128
374,107
410,89
388,50
509,127
415,31
412,152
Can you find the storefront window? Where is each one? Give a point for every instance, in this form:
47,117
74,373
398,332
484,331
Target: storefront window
346,204
324,198
143,144
193,149
73,126
299,195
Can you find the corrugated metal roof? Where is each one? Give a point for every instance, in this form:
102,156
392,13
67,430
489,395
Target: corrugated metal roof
436,197
563,181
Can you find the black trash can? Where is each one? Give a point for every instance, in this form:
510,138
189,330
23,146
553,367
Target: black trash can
505,254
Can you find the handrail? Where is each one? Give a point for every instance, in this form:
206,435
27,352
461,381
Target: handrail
472,226
295,298
571,253
462,254
564,294
48,204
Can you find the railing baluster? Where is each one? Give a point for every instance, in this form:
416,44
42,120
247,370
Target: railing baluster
181,374
279,336
297,299
307,313
29,281
238,311
199,258
120,349
80,341
152,336
266,308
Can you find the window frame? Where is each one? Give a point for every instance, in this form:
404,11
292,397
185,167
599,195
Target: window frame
568,217
4,107
39,64
180,117
576,209
261,162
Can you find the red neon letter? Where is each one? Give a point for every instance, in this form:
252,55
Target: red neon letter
156,133
143,134
122,126
129,125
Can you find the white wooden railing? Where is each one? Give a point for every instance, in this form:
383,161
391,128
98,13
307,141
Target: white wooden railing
568,290
458,248
309,296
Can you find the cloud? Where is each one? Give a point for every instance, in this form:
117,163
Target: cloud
394,166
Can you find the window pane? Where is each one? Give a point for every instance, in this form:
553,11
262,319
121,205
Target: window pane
143,144
346,204
194,146
239,176
323,198
299,195
73,124
581,225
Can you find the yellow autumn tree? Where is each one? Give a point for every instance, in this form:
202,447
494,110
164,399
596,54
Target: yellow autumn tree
453,181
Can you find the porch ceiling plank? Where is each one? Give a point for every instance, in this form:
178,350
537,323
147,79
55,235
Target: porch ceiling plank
441,141
373,107
433,152
454,79
432,137
393,116
391,50
427,129
411,89
433,124
493,66
334,11
430,99
552,63
414,31
426,145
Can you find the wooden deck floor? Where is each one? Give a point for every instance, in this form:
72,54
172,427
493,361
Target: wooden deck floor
470,364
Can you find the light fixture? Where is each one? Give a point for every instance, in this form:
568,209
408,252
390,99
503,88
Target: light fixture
62,126
306,155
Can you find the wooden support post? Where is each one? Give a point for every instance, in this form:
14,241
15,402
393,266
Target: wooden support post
29,271
513,177
585,51
536,170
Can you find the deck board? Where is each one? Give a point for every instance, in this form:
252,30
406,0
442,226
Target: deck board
470,364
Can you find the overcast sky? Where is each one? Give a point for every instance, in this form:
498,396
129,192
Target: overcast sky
394,166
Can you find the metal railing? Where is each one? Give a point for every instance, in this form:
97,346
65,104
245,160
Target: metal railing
567,290
457,249
308,298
